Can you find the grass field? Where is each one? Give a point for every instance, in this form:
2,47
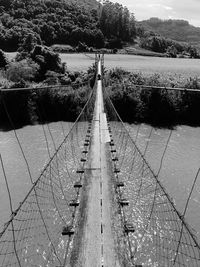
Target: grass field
169,66
146,64
181,66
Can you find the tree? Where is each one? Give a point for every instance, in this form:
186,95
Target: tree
116,22
77,36
29,42
172,51
193,52
47,60
99,39
47,34
23,70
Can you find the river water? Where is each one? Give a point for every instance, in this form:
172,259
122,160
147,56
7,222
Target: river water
33,142
180,165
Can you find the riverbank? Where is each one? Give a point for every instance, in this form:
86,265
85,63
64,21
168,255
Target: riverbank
158,107
20,108
135,104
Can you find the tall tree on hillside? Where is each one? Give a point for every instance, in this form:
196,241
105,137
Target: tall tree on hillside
117,22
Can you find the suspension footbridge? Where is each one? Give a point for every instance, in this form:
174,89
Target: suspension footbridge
97,202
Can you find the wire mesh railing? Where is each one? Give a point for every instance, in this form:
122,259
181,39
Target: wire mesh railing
155,233
40,231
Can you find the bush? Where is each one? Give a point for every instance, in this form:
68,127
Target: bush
52,78
23,70
193,83
65,80
19,84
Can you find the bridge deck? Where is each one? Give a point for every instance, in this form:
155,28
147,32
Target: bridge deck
97,243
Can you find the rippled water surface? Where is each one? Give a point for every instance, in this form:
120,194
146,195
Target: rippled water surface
33,143
181,162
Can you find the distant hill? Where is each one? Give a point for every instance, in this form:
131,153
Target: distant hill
178,30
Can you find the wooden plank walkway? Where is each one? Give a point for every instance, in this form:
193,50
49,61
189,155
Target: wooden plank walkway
97,246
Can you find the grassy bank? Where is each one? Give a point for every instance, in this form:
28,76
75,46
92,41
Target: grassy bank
159,107
138,51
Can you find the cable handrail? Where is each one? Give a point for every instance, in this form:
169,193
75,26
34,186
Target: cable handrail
154,175
163,88
42,87
14,214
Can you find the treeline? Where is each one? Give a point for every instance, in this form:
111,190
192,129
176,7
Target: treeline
158,107
175,29
63,22
171,48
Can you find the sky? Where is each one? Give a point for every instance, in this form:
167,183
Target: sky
165,9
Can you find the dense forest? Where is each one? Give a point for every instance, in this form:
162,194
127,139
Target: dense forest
87,24
64,22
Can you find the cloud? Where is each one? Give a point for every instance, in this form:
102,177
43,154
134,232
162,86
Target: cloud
164,9
168,7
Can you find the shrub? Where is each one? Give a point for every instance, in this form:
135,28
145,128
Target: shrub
51,78
193,83
19,84
65,80
23,70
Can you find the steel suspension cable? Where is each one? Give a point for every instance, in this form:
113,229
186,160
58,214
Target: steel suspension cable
158,183
43,173
17,138
11,209
185,210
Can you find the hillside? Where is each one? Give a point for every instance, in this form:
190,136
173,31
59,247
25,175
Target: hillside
68,22
48,21
178,30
